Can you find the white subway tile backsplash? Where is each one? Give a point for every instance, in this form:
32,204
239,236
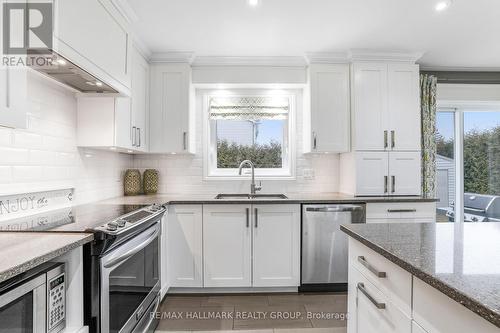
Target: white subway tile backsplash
14,156
45,155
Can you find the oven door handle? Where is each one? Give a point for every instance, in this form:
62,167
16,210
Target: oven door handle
150,237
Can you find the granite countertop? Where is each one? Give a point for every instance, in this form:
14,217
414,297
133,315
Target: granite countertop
461,260
23,251
293,198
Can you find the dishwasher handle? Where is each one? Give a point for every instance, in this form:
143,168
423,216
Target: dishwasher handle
335,209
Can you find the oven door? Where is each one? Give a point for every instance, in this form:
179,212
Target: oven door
22,309
130,281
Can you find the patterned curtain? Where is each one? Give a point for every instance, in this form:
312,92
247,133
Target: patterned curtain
428,87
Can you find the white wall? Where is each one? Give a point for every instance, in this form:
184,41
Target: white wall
184,174
468,92
45,156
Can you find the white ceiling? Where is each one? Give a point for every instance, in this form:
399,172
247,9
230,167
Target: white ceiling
465,35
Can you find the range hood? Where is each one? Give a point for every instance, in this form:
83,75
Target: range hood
62,70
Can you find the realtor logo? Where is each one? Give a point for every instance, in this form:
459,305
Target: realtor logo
27,26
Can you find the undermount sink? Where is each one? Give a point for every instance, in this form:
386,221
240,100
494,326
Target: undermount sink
250,196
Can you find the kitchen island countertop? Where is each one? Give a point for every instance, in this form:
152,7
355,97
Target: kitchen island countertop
461,260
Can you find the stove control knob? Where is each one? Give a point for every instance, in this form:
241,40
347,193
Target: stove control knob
112,226
121,223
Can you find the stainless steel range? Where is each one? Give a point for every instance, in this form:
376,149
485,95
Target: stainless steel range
122,273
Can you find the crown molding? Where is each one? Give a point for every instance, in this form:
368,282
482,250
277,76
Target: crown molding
172,57
362,55
273,61
125,10
328,57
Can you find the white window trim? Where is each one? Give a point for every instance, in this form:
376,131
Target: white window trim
211,173
459,108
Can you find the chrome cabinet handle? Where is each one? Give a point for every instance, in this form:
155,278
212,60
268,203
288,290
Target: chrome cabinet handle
393,181
256,211
184,139
393,139
385,140
372,269
401,210
139,136
385,184
361,287
315,141
248,217
134,135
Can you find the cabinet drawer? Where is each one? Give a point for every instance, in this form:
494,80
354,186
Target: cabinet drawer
371,310
396,283
401,210
437,313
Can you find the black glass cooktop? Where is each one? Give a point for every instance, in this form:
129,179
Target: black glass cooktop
72,219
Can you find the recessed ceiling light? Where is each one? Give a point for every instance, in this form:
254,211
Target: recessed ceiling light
253,3
443,5
61,62
99,84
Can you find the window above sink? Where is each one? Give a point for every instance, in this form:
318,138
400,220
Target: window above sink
249,124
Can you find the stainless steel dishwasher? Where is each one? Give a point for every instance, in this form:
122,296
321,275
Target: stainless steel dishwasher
324,246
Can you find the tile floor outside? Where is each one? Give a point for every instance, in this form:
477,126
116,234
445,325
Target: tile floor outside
270,313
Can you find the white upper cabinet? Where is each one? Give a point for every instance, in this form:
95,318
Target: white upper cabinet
369,106
171,110
386,112
276,245
13,92
93,35
330,113
104,122
405,173
388,173
227,246
119,122
140,101
404,107
372,173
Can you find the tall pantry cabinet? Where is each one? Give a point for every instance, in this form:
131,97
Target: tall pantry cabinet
386,131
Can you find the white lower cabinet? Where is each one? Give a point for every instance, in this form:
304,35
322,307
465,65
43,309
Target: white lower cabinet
233,246
401,212
437,313
184,249
400,302
227,246
370,310
276,245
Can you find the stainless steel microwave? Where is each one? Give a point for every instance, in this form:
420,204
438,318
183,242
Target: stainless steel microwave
34,301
